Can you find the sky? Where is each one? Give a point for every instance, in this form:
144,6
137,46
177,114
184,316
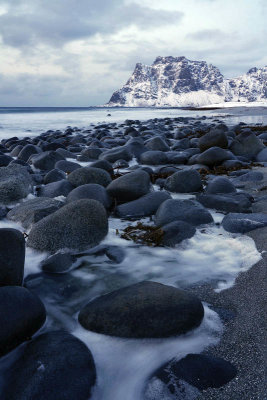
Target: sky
78,52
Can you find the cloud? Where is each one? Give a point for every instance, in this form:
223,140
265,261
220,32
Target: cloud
209,34
56,22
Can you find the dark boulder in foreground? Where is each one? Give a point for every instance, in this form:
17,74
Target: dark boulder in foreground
198,370
55,189
213,156
182,210
242,223
56,365
12,257
143,207
33,210
21,315
143,310
78,225
129,186
15,183
184,182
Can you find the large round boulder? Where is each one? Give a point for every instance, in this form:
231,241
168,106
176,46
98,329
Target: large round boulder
189,211
184,182
15,183
55,365
21,315
55,189
143,310
12,257
129,186
157,143
177,231
46,161
247,144
91,191
85,175
77,225
228,202
33,210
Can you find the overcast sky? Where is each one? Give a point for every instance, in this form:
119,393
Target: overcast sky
77,52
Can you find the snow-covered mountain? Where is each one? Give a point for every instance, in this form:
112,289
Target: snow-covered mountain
179,82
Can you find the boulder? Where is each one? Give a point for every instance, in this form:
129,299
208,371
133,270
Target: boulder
46,161
54,175
55,189
177,231
157,143
27,151
198,370
143,310
117,153
91,191
103,164
246,144
153,158
77,225
242,223
262,155
214,138
15,183
67,166
213,156
189,211
220,184
129,186
12,257
5,160
85,175
21,315
228,202
184,182
143,207
34,210
55,365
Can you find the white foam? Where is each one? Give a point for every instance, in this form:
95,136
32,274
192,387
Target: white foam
124,365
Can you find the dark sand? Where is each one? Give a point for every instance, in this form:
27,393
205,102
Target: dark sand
243,309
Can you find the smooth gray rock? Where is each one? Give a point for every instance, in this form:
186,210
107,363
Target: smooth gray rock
177,231
184,182
27,151
117,153
220,184
54,175
242,223
129,186
228,202
91,191
262,155
12,257
214,138
46,160
153,158
55,189
143,207
67,166
15,183
246,144
78,225
213,156
157,143
143,310
21,315
33,210
54,366
189,211
85,175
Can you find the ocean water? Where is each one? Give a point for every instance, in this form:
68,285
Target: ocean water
212,255
31,121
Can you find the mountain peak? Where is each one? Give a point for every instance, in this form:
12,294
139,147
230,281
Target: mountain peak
177,82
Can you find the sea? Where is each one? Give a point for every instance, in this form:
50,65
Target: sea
212,255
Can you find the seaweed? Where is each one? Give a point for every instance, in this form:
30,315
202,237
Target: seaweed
143,234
